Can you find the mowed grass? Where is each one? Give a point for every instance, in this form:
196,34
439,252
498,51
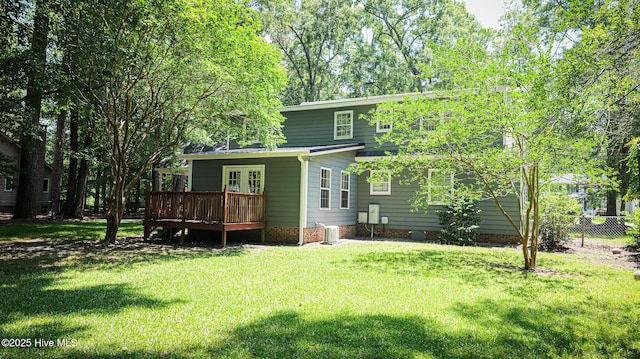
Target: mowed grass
68,230
353,300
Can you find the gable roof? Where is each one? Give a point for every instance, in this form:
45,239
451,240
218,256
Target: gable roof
310,151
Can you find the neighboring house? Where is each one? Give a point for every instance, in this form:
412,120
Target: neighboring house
577,188
8,184
308,184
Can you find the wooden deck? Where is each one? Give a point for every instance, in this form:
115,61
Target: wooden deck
219,211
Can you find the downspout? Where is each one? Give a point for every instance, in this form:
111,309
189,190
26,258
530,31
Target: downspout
304,184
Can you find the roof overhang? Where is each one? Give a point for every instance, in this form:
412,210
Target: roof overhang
311,151
360,101
374,100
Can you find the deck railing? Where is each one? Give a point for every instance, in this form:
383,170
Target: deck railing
208,207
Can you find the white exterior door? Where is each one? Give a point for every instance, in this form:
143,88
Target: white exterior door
243,179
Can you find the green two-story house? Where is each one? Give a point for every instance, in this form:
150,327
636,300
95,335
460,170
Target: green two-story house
309,185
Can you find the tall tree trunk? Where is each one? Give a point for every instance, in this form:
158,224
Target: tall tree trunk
104,193
83,174
73,165
155,177
58,154
179,183
117,204
96,198
32,141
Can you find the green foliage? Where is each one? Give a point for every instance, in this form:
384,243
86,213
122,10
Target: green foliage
312,35
7,166
157,74
499,126
558,213
461,219
633,163
598,79
634,230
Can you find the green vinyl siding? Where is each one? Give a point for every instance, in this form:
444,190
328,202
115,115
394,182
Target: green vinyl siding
402,215
336,162
315,128
396,206
281,183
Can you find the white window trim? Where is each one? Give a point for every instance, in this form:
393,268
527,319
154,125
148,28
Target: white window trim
335,125
6,182
48,184
347,190
431,121
382,129
373,192
227,169
325,189
430,173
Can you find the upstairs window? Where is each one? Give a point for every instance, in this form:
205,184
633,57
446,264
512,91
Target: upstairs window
45,185
382,127
343,125
428,123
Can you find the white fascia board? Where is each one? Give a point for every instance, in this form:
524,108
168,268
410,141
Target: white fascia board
373,100
369,158
337,150
241,155
375,158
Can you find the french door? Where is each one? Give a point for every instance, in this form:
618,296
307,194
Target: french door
243,179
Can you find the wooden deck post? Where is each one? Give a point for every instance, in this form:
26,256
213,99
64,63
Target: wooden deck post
224,236
225,205
263,217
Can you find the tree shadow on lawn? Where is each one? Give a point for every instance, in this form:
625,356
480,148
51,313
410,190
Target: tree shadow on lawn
492,329
473,268
32,296
34,255
569,329
62,230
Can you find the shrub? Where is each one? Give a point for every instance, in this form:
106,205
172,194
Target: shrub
557,214
635,229
461,219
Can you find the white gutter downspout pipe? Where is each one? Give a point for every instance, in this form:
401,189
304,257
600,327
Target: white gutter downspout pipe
304,183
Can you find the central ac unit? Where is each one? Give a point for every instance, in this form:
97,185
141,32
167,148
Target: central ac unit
331,234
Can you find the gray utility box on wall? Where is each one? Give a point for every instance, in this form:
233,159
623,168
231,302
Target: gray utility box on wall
374,213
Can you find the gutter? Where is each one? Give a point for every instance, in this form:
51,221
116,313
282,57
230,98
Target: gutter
304,184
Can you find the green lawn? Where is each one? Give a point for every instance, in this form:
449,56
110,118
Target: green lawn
364,299
69,230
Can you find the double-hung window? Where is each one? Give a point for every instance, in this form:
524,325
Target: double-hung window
440,186
325,188
343,125
345,189
380,184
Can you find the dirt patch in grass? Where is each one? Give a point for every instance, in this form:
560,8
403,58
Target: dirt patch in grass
601,252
